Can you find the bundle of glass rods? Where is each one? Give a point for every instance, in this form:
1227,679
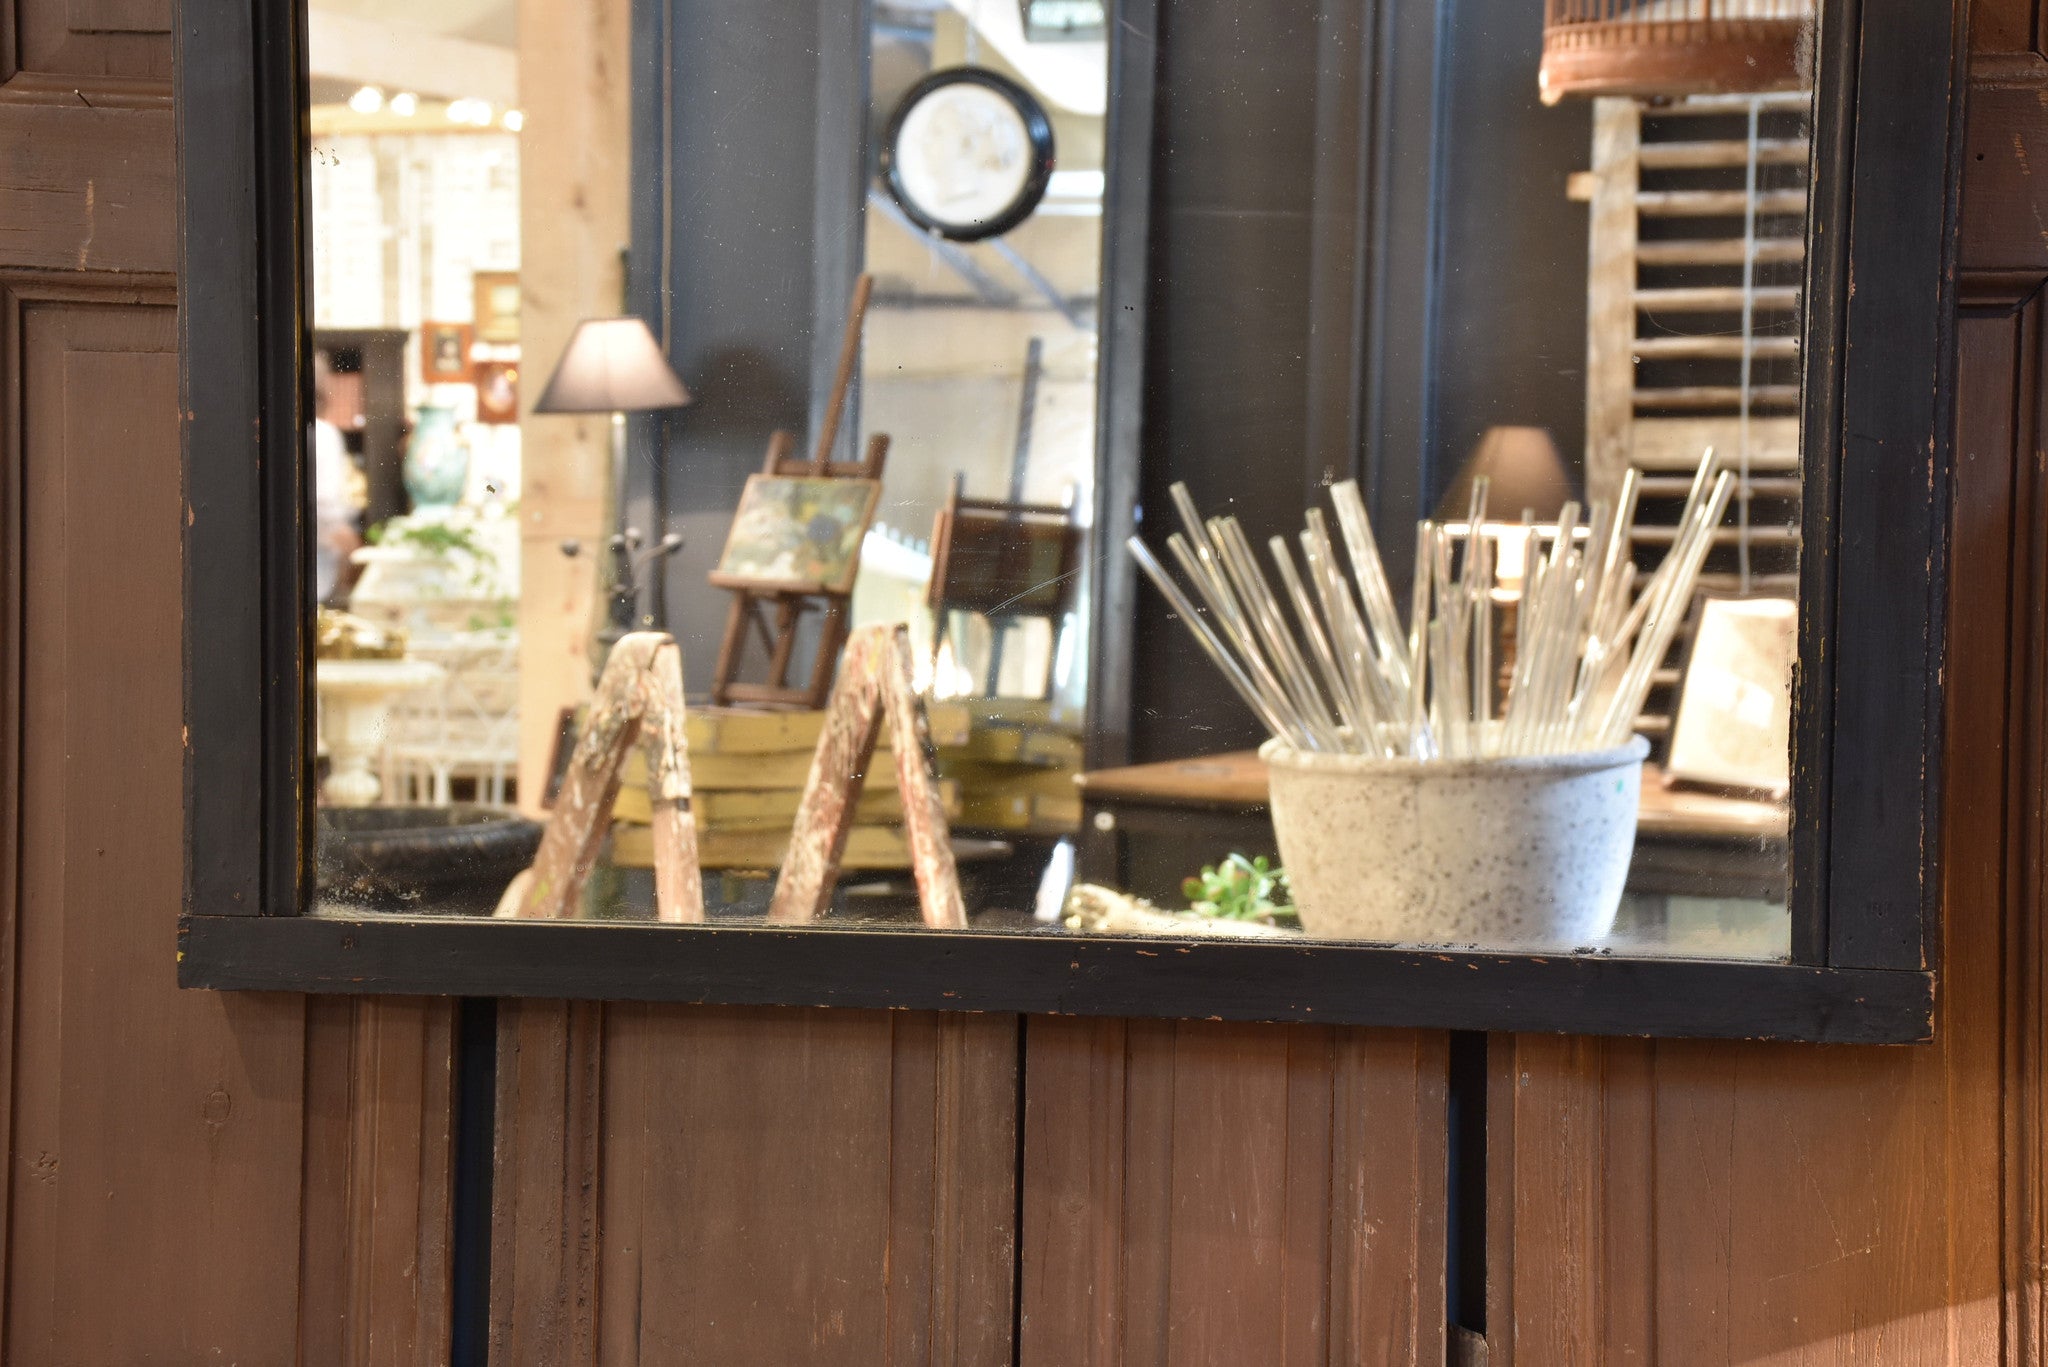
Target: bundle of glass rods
1327,665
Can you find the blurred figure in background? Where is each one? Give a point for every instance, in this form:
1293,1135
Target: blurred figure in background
338,492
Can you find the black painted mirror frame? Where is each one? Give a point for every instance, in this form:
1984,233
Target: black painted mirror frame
1877,421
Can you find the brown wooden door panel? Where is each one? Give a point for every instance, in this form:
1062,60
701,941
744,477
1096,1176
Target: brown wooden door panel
96,42
1199,1193
2006,27
88,189
760,1186
375,1256
144,1120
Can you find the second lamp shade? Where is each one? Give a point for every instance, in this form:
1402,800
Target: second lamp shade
612,365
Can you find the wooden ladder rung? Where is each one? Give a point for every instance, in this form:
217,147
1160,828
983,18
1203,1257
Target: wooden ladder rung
1717,203
1723,536
1729,396
1717,299
1677,486
1701,105
1780,585
1724,251
1716,348
1670,156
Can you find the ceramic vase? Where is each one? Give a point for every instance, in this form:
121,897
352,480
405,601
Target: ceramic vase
436,459
1524,853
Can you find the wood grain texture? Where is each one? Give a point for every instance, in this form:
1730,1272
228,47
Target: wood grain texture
874,684
87,189
544,1221
2006,28
376,1228
1610,295
119,46
574,222
153,1135
754,1186
181,1164
639,701
1200,1193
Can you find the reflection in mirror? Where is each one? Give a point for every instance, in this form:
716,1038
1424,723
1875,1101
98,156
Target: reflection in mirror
705,483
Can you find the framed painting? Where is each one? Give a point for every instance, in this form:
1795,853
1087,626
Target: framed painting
797,534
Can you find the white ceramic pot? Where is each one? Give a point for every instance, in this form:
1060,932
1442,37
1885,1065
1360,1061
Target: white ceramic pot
1525,853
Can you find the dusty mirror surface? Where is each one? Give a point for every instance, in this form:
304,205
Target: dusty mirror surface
723,475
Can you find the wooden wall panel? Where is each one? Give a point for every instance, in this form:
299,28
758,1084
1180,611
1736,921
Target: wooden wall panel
574,224
145,1123
375,1228
2000,28
85,189
122,47
172,1156
1199,1193
741,1187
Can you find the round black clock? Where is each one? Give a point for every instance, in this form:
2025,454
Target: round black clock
968,153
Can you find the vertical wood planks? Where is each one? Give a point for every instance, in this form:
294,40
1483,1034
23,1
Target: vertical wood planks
376,1228
1209,1193
153,1134
754,1186
574,221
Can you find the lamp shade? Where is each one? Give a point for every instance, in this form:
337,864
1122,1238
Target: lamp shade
1523,471
612,365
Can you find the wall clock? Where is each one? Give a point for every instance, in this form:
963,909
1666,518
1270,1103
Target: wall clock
968,153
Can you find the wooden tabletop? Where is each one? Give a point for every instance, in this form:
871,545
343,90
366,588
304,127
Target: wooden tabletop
1237,782
1234,781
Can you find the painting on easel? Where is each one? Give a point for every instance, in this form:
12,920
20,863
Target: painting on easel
798,535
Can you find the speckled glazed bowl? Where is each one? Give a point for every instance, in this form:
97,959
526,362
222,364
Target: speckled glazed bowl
1527,853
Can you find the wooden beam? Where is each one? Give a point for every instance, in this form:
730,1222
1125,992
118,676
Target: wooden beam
573,225
1610,294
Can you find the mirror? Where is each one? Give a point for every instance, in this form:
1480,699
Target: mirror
895,464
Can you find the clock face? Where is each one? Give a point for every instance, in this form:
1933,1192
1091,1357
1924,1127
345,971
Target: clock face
969,154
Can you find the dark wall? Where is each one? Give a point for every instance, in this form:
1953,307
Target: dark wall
1509,341
747,188
1227,319
1362,257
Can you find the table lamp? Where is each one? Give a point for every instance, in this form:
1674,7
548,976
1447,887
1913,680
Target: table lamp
1524,473
614,365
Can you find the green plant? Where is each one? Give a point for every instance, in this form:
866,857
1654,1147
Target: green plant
445,542
1241,889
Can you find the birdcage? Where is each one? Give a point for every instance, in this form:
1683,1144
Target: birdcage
1675,47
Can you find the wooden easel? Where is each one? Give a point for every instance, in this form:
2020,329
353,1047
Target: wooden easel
875,681
639,699
752,605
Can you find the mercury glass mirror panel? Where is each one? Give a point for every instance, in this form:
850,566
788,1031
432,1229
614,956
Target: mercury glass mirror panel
794,417
1011,490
